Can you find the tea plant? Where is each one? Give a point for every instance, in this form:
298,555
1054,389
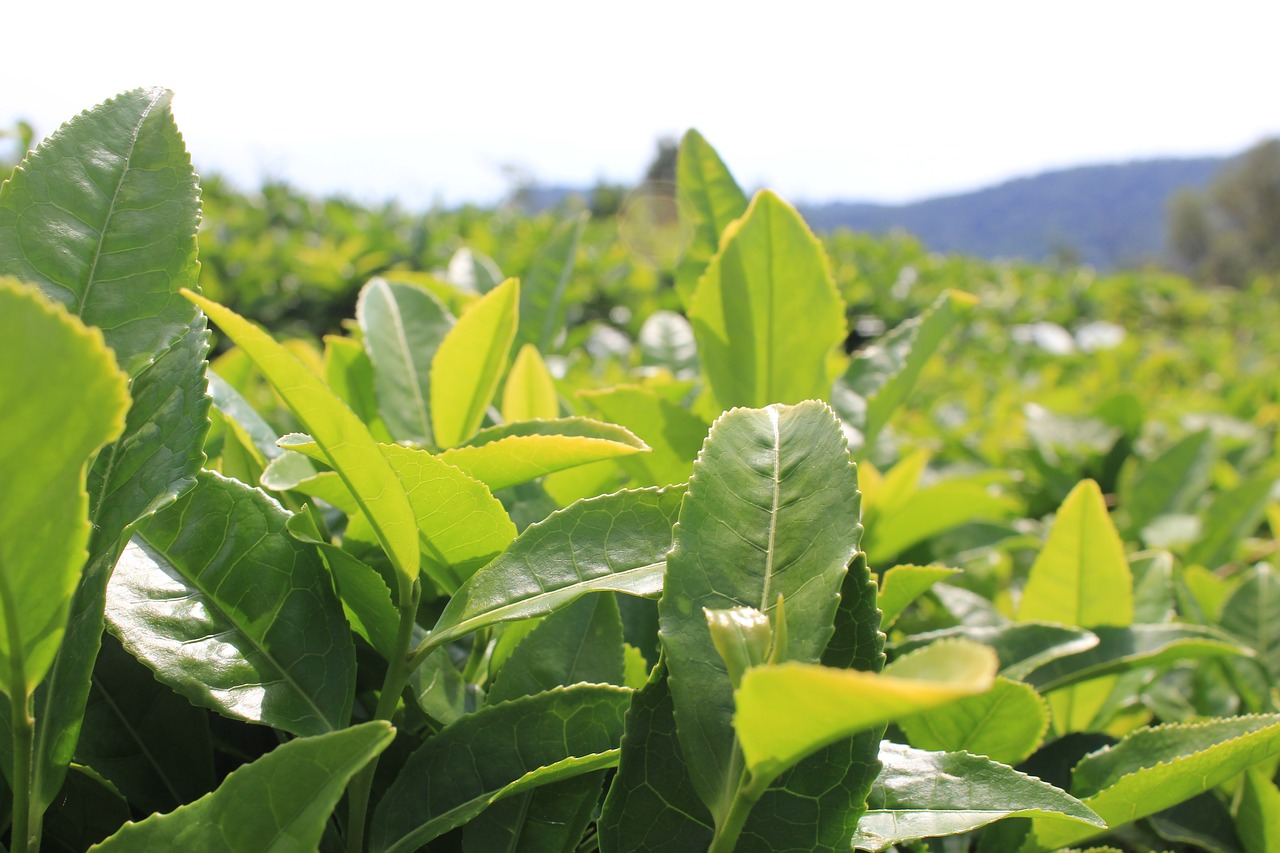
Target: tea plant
446,627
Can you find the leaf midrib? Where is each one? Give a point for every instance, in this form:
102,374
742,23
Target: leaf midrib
111,206
142,744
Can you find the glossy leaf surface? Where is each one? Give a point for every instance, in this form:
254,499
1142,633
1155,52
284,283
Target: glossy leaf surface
102,218
613,543
402,326
233,613
278,804
908,802
787,711
766,313
345,441
497,752
470,362
516,453
772,511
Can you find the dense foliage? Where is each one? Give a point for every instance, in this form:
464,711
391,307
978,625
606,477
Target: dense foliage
556,533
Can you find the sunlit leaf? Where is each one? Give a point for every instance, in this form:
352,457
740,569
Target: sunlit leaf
470,362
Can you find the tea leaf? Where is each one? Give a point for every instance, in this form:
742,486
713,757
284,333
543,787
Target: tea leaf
902,585
771,512
346,443
403,326
1006,724
470,362
709,199
233,613
281,802
544,283
615,543
63,398
497,752
766,313
515,453
787,711
908,803
530,392
102,218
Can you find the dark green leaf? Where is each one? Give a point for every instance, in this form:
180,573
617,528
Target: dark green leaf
1170,483
86,810
1021,648
151,743
612,543
579,642
233,613
497,752
279,803
1252,613
772,510
1230,518
102,217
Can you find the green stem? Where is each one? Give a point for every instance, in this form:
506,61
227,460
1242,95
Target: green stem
25,834
399,669
750,789
479,653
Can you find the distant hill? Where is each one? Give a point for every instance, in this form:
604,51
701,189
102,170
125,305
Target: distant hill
1109,215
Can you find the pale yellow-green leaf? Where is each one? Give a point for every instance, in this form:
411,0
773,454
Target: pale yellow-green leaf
530,393
788,711
1006,724
62,397
1258,815
470,362
519,452
343,439
902,585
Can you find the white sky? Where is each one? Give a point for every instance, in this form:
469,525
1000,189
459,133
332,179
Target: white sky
821,100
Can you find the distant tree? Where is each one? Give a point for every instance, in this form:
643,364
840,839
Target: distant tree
662,170
1231,231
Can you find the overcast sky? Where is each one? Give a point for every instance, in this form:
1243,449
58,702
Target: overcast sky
820,100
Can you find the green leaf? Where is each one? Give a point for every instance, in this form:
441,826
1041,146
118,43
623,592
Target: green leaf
470,362
498,752
87,809
281,802
902,585
345,441
63,398
772,511
579,642
652,804
403,326
506,455
1006,724
1252,613
154,461
233,613
766,314
884,373
102,218
461,525
1020,648
366,600
1170,483
1258,814
673,432
787,711
544,283
1082,557
1230,518
148,741
709,199
1125,649
530,392
930,511
258,436
1154,768
908,802
348,371
858,642
614,543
